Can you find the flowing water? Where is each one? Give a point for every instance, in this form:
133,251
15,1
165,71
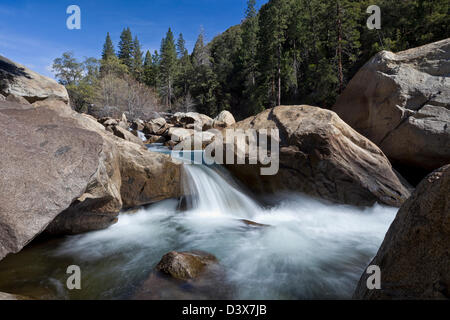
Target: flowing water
310,249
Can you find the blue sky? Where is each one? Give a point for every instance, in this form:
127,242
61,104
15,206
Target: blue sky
34,32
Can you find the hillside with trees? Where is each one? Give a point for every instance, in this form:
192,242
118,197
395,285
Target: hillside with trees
288,52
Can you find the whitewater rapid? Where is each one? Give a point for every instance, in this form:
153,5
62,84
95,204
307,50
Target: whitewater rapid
311,249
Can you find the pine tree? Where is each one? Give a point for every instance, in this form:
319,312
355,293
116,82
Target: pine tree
148,70
181,46
184,69
274,18
248,57
108,48
200,53
137,59
168,66
250,41
126,48
203,80
343,43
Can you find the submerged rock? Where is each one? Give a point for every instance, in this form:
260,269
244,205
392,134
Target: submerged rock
401,102
414,258
9,296
253,223
185,265
322,156
185,275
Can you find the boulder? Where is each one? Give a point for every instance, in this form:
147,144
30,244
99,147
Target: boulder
192,120
202,138
41,176
23,82
414,258
147,177
185,265
187,276
2,97
322,156
155,126
401,102
126,135
70,175
179,134
226,118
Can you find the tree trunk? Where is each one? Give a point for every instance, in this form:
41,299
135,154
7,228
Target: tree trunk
279,76
295,67
169,94
339,47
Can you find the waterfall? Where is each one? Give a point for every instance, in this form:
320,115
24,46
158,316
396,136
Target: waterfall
215,193
141,135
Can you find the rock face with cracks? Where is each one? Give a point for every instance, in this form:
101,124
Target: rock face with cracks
401,102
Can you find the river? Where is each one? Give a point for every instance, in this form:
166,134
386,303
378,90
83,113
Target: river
311,249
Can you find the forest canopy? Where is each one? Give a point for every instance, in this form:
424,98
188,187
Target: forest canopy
288,52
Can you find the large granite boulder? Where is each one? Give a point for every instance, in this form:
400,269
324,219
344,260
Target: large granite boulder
401,102
20,81
62,172
46,163
322,156
414,258
129,175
